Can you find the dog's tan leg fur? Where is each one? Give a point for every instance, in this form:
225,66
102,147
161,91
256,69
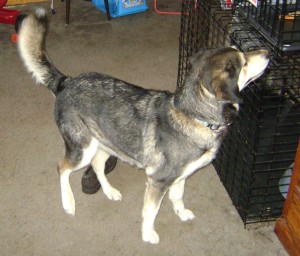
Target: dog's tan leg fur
98,164
65,168
176,192
154,194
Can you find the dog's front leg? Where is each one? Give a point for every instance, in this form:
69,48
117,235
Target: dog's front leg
176,196
155,192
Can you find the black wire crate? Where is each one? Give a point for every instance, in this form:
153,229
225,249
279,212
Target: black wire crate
277,20
255,160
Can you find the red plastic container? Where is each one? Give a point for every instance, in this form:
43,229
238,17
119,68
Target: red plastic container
7,16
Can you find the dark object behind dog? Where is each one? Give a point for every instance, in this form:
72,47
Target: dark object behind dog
89,181
170,135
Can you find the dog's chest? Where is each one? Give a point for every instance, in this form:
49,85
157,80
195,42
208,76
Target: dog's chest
203,160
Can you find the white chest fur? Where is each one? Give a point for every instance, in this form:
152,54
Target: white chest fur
202,161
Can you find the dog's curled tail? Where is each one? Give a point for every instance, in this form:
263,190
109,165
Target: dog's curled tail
32,48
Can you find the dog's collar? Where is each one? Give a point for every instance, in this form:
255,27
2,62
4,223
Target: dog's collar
213,127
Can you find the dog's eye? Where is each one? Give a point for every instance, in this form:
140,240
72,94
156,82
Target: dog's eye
245,64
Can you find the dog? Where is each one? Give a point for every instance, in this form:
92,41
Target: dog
169,135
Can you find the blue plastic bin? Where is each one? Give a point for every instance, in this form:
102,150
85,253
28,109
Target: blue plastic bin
118,8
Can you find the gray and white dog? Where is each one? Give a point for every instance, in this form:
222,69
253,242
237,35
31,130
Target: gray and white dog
170,135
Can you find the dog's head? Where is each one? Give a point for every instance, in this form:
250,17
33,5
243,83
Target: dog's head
224,72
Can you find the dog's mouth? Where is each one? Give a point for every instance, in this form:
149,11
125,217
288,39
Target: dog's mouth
258,75
254,78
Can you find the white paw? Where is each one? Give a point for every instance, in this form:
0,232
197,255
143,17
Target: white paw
151,237
113,194
69,205
186,215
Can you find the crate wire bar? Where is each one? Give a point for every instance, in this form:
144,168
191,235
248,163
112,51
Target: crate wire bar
255,160
277,20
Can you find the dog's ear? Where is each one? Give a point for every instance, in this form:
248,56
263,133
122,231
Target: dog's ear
217,70
198,71
226,83
193,61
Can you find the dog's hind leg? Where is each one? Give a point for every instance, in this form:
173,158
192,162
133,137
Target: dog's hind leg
176,192
65,167
74,160
98,164
155,192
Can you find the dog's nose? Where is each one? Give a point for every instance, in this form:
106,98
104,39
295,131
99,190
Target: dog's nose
265,53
